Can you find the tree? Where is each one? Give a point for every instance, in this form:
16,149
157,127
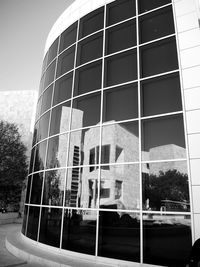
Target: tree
13,164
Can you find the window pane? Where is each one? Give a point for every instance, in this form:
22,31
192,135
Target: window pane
120,10
161,95
159,57
33,219
156,24
24,220
79,231
123,141
88,78
86,111
120,103
46,99
63,89
68,37
31,160
54,188
119,235
165,186
40,156
163,138
57,151
36,188
43,126
49,74
35,133
38,111
29,180
167,239
50,226
44,64
145,5
119,187
52,51
60,118
65,61
121,37
41,88
121,68
91,22
90,48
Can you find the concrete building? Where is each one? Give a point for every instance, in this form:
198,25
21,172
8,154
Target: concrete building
114,167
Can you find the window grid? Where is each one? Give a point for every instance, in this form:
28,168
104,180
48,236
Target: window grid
139,119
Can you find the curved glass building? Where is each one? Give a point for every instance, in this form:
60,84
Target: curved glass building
114,162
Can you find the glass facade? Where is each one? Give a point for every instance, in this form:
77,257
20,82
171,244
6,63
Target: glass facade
108,174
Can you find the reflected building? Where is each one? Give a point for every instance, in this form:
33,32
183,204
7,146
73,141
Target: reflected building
114,161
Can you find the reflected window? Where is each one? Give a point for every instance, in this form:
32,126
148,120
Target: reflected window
43,126
50,226
32,225
120,10
156,24
86,111
159,143
119,235
88,78
90,48
92,22
57,151
40,156
60,118
52,51
121,37
161,95
151,4
165,238
68,37
46,99
165,186
49,74
66,61
79,231
125,136
63,89
54,187
36,188
159,57
121,68
120,103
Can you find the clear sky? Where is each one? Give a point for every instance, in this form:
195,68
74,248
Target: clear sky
24,26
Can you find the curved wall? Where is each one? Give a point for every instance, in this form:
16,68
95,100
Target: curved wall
109,167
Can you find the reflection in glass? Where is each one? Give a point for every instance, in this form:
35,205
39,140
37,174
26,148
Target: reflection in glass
24,220
49,74
159,143
119,187
50,226
46,99
88,78
44,64
36,188
121,68
54,187
165,186
31,160
151,4
52,51
28,187
161,95
68,37
86,111
63,89
65,61
90,48
120,103
156,24
79,231
123,141
33,219
120,10
35,133
60,118
43,126
119,235
38,110
121,37
91,22
167,239
40,156
159,57
57,151
41,88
